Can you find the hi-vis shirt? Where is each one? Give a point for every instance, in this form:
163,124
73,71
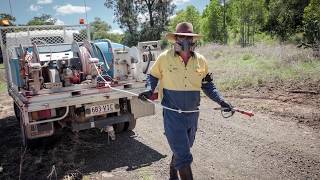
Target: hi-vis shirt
180,84
175,75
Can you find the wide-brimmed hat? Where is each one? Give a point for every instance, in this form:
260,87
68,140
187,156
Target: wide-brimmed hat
183,29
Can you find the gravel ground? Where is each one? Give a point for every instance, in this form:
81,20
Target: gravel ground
267,146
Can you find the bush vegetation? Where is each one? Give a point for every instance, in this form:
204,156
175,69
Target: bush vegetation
260,65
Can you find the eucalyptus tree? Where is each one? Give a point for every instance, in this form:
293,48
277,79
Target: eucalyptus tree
141,19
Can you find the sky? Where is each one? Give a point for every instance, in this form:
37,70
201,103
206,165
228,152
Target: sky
70,11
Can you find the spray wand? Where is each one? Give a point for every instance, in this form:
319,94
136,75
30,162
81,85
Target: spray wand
227,114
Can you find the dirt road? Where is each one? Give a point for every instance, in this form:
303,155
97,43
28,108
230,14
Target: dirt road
263,147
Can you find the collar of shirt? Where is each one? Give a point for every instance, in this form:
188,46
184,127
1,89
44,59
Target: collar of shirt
176,54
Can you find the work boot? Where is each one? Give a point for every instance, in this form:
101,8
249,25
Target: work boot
186,173
173,171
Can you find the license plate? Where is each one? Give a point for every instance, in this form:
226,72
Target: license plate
98,109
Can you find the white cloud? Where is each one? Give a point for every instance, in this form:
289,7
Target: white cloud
180,1
59,22
116,31
44,1
70,9
34,7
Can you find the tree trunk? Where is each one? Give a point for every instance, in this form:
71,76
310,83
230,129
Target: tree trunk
248,34
253,33
149,6
242,35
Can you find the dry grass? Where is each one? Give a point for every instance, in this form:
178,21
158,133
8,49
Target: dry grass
235,67
3,85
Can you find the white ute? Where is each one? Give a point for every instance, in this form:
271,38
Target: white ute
56,79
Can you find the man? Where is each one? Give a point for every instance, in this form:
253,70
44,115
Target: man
182,74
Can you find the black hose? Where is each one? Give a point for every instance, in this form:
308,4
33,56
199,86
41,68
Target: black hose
149,61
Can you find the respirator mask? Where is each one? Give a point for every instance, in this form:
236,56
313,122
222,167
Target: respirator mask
184,44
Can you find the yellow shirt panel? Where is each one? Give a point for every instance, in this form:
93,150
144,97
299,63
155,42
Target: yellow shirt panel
173,74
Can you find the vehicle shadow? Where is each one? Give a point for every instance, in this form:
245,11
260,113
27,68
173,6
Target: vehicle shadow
85,152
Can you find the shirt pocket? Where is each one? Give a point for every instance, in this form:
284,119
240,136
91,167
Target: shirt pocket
172,70
170,73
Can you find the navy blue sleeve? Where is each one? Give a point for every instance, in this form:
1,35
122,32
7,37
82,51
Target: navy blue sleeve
212,92
152,82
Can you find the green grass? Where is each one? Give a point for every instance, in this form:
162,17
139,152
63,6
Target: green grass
3,87
236,67
145,174
3,84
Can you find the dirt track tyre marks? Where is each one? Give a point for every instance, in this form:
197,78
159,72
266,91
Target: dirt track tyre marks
256,148
263,147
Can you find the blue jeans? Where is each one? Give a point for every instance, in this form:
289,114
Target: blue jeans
180,130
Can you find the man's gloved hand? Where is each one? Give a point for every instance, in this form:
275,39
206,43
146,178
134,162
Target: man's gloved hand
226,106
208,78
145,95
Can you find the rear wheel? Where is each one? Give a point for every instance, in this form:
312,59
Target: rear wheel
119,127
16,111
24,138
26,142
130,125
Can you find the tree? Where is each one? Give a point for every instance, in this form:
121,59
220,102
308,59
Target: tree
246,17
44,19
158,12
115,37
285,17
212,22
127,13
311,20
11,19
190,14
99,29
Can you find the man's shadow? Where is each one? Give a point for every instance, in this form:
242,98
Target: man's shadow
86,152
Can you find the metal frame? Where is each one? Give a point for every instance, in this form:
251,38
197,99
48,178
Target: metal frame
5,49
102,122
77,95
44,27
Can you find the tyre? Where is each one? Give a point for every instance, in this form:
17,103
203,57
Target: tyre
26,142
118,128
16,111
18,115
131,125
24,138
